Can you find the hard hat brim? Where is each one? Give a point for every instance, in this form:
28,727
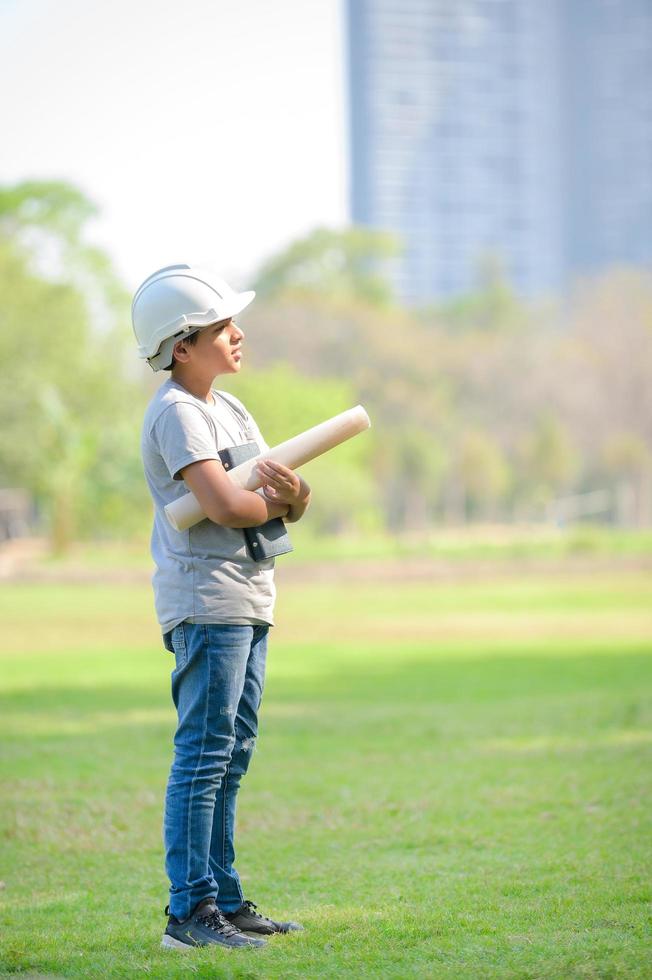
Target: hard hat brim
242,300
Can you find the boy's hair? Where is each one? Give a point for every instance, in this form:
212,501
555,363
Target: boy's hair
191,340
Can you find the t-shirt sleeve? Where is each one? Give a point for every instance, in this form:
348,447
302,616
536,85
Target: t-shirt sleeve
184,435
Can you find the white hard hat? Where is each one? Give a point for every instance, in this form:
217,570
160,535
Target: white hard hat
176,301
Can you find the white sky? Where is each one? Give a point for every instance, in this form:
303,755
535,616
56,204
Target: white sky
211,132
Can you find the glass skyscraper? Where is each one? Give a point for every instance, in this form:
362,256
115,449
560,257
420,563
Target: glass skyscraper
515,129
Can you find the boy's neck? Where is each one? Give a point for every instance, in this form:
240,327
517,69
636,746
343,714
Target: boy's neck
199,387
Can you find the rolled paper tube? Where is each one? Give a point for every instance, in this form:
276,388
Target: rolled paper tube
185,511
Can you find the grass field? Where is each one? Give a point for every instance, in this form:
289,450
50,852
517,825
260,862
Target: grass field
451,781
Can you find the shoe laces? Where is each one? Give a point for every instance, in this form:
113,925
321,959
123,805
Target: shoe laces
216,921
251,908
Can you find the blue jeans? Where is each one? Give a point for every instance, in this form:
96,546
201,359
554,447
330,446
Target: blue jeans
217,687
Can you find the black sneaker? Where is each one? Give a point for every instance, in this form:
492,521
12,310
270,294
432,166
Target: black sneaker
246,919
205,926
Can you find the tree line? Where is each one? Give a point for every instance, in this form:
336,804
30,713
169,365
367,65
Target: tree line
487,408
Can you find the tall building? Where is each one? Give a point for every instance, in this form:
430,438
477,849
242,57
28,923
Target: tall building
486,128
607,145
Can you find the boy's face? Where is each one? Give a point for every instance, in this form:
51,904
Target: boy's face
217,350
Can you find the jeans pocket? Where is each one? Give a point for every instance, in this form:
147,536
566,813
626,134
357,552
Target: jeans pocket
179,645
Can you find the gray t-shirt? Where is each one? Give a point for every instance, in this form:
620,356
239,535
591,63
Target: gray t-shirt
204,574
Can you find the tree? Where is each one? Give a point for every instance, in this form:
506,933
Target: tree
491,306
66,389
628,461
346,265
482,472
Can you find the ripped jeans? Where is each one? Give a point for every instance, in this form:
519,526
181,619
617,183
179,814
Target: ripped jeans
217,686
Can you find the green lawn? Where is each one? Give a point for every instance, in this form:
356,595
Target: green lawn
451,781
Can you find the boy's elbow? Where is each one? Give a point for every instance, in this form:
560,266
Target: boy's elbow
231,512
222,514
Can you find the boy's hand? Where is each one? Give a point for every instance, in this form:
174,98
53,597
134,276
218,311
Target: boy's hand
282,485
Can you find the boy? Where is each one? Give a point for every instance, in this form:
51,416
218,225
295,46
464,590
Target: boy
214,603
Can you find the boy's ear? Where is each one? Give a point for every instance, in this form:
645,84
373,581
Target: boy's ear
180,351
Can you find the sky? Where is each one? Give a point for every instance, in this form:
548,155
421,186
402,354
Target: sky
205,132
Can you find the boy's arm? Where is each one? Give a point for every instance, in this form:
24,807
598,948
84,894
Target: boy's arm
225,503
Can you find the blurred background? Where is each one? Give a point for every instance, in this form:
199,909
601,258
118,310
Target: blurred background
449,219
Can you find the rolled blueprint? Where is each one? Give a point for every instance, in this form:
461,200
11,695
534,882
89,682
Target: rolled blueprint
185,511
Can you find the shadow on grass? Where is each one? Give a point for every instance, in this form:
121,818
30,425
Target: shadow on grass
500,706
446,679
